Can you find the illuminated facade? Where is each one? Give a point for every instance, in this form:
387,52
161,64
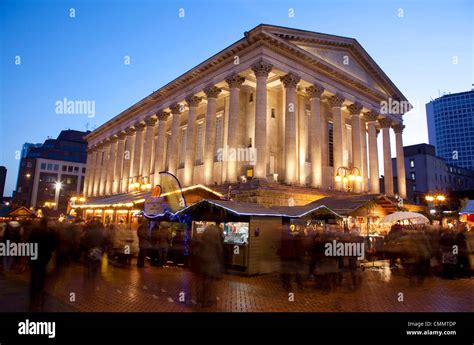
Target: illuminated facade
292,106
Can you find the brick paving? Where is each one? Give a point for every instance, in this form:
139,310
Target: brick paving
171,289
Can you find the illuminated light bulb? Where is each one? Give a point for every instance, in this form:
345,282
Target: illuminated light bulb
429,198
351,177
338,178
359,178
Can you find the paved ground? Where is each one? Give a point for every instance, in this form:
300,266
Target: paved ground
171,289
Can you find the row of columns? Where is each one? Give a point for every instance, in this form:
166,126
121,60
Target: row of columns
109,173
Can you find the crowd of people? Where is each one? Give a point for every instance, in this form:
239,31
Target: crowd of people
303,252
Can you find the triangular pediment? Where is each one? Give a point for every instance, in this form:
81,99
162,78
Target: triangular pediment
342,54
343,59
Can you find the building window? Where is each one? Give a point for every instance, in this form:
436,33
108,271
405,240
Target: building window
413,176
50,166
199,144
69,168
43,166
273,113
76,169
56,167
413,188
64,168
218,143
182,148
83,170
412,163
330,145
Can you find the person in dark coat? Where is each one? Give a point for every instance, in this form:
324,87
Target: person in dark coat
144,242
12,234
209,264
163,239
95,244
47,242
178,246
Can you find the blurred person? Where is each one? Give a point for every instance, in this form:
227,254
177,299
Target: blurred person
178,246
462,265
448,258
46,239
144,241
291,254
94,244
208,264
12,234
163,242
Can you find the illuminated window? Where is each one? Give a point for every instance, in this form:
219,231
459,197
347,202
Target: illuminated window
199,144
330,144
412,163
218,143
182,148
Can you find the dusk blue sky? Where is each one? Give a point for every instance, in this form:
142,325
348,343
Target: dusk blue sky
82,58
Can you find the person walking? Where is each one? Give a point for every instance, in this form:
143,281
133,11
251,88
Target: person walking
144,242
47,242
209,265
164,242
12,234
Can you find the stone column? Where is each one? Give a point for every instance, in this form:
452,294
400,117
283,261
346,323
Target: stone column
401,178
174,142
119,162
371,119
355,111
97,169
111,165
160,148
147,148
387,156
129,144
104,167
261,70
212,92
363,137
316,128
89,179
235,82
189,158
291,165
137,151
335,103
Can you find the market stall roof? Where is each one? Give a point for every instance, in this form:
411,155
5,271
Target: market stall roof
348,204
129,199
468,208
253,209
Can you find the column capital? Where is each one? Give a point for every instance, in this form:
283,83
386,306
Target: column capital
113,138
336,100
234,80
398,127
193,101
370,116
91,149
150,121
176,108
262,68
139,126
290,80
315,91
163,116
121,135
212,91
355,108
130,131
385,123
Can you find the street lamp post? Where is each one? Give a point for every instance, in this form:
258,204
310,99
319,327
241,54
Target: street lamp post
348,176
58,185
436,200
